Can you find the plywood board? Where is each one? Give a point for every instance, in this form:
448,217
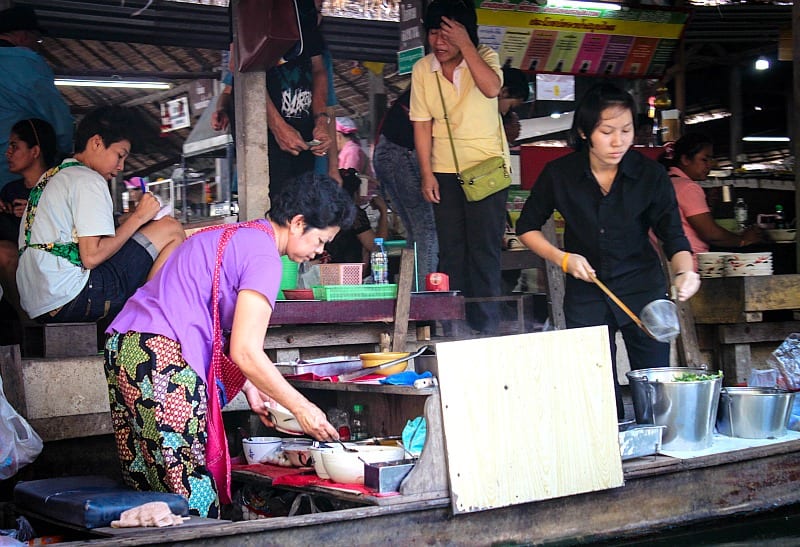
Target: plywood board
528,417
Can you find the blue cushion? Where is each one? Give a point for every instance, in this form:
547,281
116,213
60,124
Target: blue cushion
89,501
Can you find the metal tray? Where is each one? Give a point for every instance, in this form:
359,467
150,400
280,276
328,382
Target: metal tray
324,366
636,441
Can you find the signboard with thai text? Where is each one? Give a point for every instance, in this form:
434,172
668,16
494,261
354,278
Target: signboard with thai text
594,41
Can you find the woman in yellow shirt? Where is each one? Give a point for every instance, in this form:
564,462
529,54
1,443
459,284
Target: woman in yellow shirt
470,78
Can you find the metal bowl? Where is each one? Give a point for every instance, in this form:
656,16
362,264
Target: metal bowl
754,412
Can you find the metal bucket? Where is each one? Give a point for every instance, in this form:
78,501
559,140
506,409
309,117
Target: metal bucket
754,412
688,410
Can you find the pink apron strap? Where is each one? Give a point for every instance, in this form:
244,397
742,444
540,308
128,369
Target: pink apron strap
222,371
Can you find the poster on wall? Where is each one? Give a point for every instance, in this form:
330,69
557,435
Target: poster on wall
175,114
610,40
411,36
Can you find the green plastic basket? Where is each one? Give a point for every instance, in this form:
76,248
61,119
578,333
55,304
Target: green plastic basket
355,292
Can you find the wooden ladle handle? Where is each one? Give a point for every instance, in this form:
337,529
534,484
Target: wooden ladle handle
619,303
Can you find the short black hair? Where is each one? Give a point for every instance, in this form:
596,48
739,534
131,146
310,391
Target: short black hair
515,82
591,106
462,11
113,123
36,132
321,201
689,145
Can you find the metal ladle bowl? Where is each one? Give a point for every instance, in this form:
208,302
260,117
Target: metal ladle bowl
660,318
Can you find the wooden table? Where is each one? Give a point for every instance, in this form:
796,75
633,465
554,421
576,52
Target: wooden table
308,324
733,309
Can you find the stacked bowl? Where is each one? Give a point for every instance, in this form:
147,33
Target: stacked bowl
748,264
711,264
734,264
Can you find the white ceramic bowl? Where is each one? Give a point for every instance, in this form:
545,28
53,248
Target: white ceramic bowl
284,421
316,460
348,467
298,451
261,449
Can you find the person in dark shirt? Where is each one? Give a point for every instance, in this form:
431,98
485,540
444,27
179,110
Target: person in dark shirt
610,197
32,150
397,171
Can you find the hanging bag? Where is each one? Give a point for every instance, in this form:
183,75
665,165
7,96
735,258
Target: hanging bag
486,178
19,443
265,31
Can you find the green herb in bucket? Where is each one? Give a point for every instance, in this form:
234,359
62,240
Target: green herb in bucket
691,377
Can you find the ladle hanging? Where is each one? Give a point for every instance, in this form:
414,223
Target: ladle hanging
664,333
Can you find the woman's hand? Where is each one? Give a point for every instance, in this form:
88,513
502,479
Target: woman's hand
314,422
455,33
430,188
258,401
686,284
578,267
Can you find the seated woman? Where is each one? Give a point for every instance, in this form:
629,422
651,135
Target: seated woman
690,162
32,150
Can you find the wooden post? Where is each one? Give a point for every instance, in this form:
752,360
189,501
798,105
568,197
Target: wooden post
794,129
252,160
403,300
735,121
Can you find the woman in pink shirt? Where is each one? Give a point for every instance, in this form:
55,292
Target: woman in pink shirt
690,162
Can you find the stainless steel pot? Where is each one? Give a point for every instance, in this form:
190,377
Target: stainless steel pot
754,412
688,410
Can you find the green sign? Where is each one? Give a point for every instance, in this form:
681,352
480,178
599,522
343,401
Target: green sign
407,58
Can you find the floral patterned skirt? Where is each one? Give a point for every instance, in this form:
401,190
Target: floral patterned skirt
158,408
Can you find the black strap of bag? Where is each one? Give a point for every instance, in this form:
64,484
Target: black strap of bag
450,133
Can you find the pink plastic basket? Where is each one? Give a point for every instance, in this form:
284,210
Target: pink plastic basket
340,274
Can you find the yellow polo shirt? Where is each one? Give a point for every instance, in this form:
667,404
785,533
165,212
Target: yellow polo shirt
474,119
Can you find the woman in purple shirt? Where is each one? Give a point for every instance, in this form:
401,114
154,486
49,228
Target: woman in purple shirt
167,373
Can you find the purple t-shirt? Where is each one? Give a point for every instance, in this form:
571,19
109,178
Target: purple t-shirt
176,303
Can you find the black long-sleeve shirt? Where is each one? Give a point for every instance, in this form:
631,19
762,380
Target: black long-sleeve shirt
611,231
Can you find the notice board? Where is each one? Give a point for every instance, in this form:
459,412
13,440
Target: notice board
628,42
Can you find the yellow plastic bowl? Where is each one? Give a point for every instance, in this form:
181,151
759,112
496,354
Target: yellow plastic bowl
369,360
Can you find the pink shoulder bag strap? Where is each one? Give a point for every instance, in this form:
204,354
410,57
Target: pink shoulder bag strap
224,379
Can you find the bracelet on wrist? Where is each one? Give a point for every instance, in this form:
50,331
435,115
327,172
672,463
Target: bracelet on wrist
565,262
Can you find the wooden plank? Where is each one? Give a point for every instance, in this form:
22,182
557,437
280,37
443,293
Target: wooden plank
757,332
719,300
422,307
309,336
736,363
252,159
555,282
771,292
542,427
727,299
677,492
401,309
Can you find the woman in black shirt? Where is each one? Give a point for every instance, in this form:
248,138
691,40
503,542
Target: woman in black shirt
610,197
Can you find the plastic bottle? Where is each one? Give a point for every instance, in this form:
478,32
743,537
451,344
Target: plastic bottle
358,430
379,263
780,220
740,213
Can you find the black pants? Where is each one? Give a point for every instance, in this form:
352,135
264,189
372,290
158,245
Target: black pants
470,242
